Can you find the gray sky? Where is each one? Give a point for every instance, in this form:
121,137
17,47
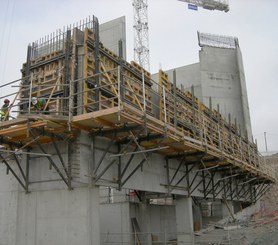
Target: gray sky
173,41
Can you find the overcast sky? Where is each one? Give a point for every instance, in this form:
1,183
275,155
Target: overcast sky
173,41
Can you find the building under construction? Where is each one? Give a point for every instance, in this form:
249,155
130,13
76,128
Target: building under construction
118,158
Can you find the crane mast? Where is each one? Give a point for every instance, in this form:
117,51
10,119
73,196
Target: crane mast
221,5
141,33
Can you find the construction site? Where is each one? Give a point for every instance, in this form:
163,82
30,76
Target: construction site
117,155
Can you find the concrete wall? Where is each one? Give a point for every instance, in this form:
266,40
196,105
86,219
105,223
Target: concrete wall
111,32
188,76
223,80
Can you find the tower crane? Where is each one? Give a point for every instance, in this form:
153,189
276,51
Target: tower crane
141,26
141,33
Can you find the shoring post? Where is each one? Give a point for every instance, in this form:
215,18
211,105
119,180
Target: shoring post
71,103
175,98
30,94
240,143
230,134
97,63
164,105
193,111
119,93
144,94
210,117
205,143
219,128
144,103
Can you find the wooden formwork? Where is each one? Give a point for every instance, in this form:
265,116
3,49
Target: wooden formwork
45,80
131,82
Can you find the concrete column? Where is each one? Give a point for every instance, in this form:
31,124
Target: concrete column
115,223
184,217
145,221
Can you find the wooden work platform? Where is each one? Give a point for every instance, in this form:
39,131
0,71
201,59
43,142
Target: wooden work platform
169,142
16,132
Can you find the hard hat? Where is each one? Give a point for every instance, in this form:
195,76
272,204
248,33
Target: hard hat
6,101
34,101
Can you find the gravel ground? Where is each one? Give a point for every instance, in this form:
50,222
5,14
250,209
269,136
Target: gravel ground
259,232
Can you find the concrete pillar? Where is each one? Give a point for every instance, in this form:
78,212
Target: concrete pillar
145,221
184,217
115,223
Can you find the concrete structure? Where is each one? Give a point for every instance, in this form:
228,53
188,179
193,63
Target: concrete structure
111,32
74,158
218,76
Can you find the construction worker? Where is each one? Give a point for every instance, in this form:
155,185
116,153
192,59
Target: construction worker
39,105
4,113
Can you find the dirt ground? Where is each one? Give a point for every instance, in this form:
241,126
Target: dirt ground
258,231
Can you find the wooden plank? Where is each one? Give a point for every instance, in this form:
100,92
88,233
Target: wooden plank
95,114
21,129
12,122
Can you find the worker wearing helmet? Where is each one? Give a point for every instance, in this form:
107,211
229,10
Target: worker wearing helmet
39,105
4,113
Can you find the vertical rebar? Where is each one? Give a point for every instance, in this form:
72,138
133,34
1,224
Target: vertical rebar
144,95
175,99
164,105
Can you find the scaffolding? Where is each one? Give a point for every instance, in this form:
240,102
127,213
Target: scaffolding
89,88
